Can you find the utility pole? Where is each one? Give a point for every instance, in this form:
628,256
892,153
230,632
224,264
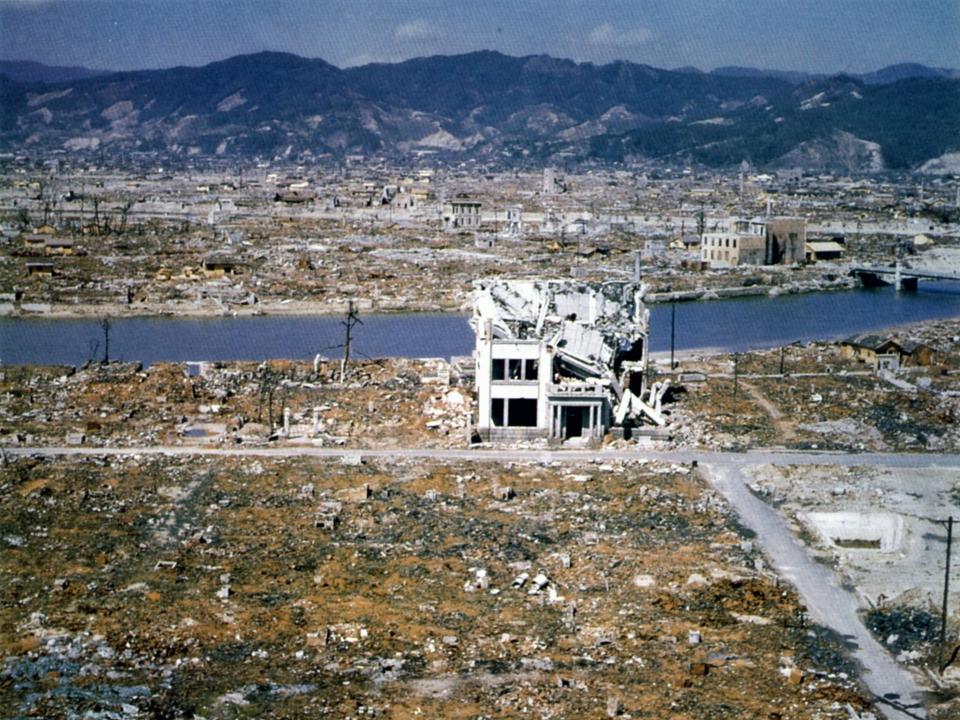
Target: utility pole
946,590
736,374
673,330
105,327
351,320
783,350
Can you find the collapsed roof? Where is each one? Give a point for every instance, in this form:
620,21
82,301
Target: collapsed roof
597,331
591,326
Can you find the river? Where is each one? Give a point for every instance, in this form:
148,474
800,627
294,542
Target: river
732,325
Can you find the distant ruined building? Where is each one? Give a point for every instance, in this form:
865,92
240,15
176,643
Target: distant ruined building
760,241
462,213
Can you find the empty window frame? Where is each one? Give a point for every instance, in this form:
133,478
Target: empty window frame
522,412
530,369
515,369
497,412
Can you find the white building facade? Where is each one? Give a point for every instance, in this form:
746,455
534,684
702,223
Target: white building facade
558,359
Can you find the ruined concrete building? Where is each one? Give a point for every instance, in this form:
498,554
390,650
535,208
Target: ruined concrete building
552,182
560,359
760,241
462,213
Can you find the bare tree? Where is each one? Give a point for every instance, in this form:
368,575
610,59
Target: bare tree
269,380
123,216
348,324
96,214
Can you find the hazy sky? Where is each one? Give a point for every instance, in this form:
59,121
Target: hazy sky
813,35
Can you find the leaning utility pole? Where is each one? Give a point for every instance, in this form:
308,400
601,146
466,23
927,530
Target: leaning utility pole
351,320
946,590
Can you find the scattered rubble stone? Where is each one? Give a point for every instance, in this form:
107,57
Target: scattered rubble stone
270,615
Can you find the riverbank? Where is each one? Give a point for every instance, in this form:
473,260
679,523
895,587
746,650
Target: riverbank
458,302
812,396
829,283
816,396
282,308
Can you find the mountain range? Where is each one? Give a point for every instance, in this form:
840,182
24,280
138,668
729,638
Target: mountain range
490,106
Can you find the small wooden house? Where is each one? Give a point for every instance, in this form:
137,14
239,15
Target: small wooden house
886,353
40,268
35,242
824,250
914,352
58,246
220,266
882,353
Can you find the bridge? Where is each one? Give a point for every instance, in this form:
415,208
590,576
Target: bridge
903,278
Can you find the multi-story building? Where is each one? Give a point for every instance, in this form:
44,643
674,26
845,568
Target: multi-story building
560,359
462,213
760,241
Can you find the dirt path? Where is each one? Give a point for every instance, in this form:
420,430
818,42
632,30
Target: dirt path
786,429
491,454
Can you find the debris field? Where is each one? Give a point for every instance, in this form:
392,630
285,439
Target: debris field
822,400
225,587
394,402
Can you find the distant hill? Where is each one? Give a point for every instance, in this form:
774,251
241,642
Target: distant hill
25,71
491,88
834,123
487,105
883,76
904,71
276,102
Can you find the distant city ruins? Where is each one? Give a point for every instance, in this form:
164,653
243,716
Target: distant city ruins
562,360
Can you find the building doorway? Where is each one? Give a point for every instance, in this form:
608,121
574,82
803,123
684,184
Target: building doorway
575,420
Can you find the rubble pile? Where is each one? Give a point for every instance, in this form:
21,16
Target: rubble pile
280,274
140,242
910,633
292,587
